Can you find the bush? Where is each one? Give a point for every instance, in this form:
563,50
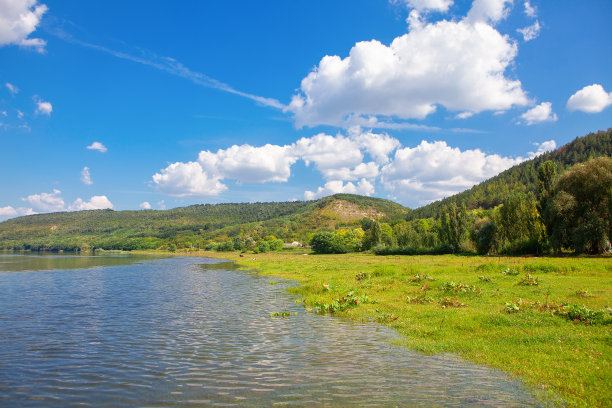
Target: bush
326,242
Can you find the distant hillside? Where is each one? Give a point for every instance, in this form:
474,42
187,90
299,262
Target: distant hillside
523,177
195,225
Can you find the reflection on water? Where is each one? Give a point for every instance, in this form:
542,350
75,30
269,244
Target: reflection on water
44,261
184,332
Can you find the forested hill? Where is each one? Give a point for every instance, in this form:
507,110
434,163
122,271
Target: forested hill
523,177
193,225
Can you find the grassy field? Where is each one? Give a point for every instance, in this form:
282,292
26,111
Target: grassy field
515,314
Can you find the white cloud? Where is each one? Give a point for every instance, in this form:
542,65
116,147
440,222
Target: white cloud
19,19
85,176
19,114
12,88
187,179
456,64
426,5
46,202
530,32
543,147
379,146
10,212
590,99
328,153
44,108
53,202
364,187
530,10
432,171
97,146
489,10
161,204
540,113
94,203
249,164
145,205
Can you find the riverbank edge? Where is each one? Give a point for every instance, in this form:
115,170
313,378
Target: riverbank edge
265,264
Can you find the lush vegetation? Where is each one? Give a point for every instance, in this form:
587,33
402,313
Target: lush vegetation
545,320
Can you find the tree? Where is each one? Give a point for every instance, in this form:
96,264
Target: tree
453,225
373,236
326,242
519,224
483,235
582,207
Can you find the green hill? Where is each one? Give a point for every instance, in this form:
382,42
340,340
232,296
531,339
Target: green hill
195,225
523,177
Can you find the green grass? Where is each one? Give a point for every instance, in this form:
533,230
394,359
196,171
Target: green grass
467,306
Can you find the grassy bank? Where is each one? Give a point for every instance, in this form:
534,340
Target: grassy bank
503,312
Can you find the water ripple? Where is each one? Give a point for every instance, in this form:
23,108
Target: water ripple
189,332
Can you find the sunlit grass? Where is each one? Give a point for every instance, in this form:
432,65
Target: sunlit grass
503,312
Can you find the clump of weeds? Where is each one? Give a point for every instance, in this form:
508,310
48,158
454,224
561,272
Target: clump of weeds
484,279
510,272
584,293
422,299
361,276
529,281
384,317
341,304
420,278
451,302
280,314
458,287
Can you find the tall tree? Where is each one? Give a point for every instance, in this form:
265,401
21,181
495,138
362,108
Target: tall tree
453,225
582,206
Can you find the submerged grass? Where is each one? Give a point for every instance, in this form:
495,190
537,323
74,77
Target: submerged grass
542,330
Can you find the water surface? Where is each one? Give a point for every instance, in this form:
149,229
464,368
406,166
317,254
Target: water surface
125,331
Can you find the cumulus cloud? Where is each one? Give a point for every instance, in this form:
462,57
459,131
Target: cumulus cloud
46,202
53,202
187,179
590,99
431,171
363,187
328,153
94,203
97,146
489,10
427,5
456,64
249,164
19,19
10,212
85,176
12,88
540,113
530,32
44,108
145,205
379,146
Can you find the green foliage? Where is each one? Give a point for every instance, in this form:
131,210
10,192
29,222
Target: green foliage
326,242
582,206
453,225
348,301
484,235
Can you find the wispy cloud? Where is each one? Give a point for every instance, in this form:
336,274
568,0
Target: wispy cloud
169,65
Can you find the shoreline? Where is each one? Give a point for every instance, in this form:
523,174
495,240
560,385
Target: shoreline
564,362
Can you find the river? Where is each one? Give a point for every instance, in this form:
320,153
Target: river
117,331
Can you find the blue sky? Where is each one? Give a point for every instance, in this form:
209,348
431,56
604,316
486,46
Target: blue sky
133,105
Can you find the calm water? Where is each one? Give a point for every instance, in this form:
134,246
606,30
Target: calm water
124,331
